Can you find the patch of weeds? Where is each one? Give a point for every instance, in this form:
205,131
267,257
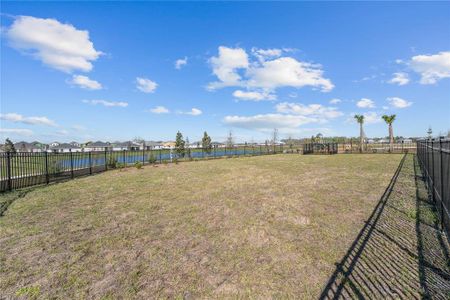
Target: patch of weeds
30,291
412,214
175,160
138,165
152,158
112,163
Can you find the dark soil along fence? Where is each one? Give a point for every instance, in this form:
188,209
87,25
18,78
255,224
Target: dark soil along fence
434,160
23,169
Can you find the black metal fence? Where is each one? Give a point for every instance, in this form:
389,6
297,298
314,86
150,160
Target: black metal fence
24,169
320,148
434,160
376,147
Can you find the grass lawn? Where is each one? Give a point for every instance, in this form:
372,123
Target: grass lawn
265,226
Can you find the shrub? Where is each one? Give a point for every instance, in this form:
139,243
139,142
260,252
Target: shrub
152,158
112,163
138,165
175,160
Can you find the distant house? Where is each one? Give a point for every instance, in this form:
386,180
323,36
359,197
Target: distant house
217,145
405,141
38,147
120,146
97,146
194,145
23,147
152,145
168,145
64,148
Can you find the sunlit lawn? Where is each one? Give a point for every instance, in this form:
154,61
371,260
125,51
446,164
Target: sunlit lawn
267,226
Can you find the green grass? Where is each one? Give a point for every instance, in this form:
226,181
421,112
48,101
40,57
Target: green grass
263,226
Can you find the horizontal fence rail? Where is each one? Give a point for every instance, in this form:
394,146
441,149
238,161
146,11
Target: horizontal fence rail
24,169
434,160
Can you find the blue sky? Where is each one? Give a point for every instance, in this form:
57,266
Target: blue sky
108,71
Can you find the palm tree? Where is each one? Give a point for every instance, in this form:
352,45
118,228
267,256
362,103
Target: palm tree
389,120
360,120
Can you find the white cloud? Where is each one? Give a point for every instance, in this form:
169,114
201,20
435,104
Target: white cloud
60,46
225,66
146,85
385,107
269,72
365,103
16,131
85,83
431,68
263,54
17,118
400,78
194,112
322,113
371,117
398,102
287,72
253,95
288,118
106,103
335,101
181,62
159,110
266,122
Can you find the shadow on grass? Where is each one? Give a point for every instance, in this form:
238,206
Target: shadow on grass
400,252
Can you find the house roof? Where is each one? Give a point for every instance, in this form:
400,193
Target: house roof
99,144
65,146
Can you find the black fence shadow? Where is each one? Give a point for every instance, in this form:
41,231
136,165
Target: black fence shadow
400,252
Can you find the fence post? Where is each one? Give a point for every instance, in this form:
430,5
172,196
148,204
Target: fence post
143,155
8,170
47,179
71,163
441,173
214,152
260,150
245,146
160,161
90,163
106,159
432,172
